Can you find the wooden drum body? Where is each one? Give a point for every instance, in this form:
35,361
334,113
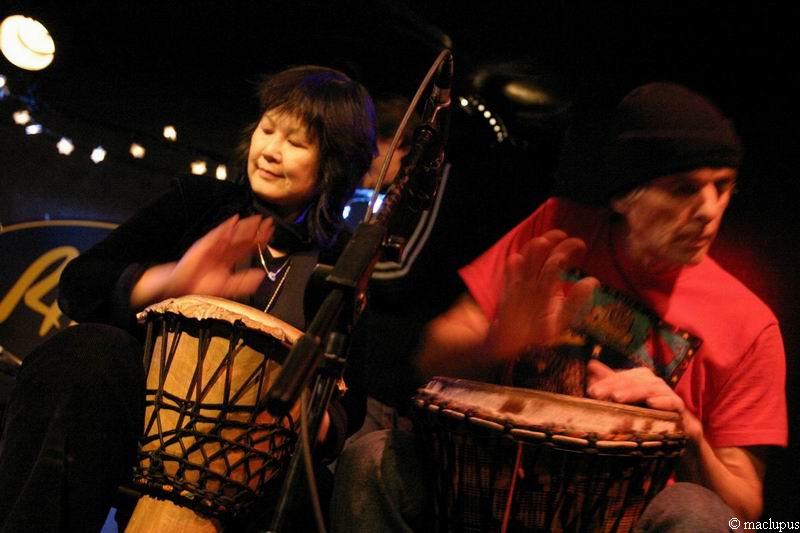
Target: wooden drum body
526,460
205,446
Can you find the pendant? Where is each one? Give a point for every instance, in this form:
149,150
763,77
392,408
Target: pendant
272,276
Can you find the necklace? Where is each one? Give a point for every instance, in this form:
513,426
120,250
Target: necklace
273,275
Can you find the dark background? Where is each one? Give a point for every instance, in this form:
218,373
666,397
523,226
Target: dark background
124,70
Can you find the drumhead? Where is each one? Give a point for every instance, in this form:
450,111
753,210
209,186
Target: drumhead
536,415
200,307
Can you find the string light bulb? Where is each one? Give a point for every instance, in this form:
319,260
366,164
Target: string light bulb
170,133
22,117
222,172
65,146
33,129
3,81
199,167
98,154
137,151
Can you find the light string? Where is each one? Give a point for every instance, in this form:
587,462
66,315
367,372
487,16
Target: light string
29,112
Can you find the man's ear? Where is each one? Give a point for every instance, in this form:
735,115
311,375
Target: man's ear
620,204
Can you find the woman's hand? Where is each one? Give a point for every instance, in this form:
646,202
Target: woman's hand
208,266
640,385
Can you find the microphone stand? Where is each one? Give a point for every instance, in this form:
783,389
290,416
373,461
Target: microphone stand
345,298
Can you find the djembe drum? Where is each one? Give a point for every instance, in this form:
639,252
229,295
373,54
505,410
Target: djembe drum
207,452
511,459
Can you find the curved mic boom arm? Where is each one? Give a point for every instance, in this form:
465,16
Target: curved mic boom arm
324,344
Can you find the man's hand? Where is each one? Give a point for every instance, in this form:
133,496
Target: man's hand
536,304
636,386
535,307
735,473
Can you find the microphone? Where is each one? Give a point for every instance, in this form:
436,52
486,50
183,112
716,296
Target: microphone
440,93
417,179
419,174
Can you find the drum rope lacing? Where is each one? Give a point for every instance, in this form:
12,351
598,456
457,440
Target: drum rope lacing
197,494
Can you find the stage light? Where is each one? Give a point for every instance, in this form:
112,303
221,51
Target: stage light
137,151
33,129
199,167
98,154
26,43
65,146
170,133
22,117
222,172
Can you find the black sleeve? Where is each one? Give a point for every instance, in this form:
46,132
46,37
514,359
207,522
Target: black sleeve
96,286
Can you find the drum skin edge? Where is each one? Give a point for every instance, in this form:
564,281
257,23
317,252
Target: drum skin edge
207,361
582,464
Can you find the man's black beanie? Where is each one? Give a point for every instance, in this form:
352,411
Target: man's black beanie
664,128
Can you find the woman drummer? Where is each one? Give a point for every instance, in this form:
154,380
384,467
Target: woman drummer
76,413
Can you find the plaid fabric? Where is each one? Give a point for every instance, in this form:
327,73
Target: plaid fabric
556,489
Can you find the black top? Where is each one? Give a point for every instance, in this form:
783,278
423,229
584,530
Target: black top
96,286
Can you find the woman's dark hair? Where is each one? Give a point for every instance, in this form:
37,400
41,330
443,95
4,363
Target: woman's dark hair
340,114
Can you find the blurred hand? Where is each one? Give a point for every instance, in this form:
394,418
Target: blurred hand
536,305
639,386
208,266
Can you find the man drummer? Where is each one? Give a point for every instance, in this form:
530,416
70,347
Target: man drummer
670,165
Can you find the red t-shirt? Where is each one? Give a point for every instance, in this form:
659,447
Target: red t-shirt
735,382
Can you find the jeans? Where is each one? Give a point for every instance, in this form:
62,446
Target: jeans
381,485
685,508
71,427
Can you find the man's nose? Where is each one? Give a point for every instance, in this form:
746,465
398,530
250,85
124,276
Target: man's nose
710,202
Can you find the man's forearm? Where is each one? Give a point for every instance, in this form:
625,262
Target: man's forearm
454,344
734,473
